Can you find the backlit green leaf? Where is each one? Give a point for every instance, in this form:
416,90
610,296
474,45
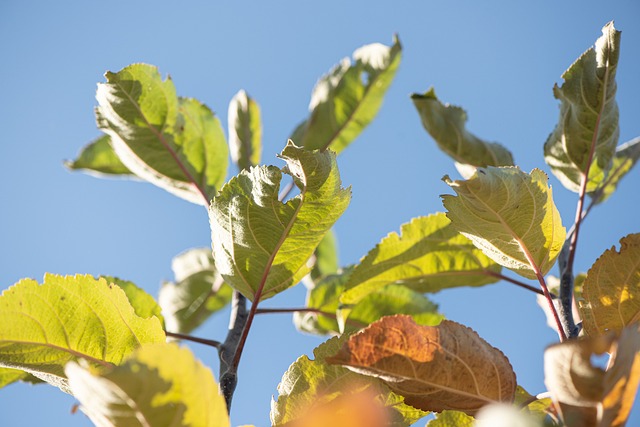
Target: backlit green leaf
143,304
325,257
429,255
159,385
42,327
197,293
315,394
451,419
174,143
99,158
588,115
245,131
8,376
626,157
261,244
510,216
446,125
348,98
611,290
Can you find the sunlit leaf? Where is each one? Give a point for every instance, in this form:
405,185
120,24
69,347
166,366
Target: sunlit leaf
611,294
158,385
174,143
435,368
510,216
348,98
42,327
260,243
536,408
588,119
315,394
9,376
197,293
99,158
325,257
143,304
446,125
504,415
575,383
429,255
245,131
626,157
451,419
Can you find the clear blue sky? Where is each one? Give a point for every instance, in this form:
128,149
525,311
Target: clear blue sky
499,60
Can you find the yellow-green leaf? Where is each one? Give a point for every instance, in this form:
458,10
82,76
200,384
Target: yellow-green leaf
451,419
429,255
42,327
348,98
588,121
158,385
611,291
510,216
261,244
99,158
446,125
245,131
626,157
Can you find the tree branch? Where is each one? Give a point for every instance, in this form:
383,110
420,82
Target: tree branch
227,350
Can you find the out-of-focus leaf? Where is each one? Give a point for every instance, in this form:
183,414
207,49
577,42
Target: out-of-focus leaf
537,408
143,304
503,415
261,244
174,143
348,98
435,368
429,255
611,294
451,419
158,385
325,257
9,376
245,131
99,158
510,216
315,394
446,125
586,394
626,157
388,300
588,115
197,293
42,327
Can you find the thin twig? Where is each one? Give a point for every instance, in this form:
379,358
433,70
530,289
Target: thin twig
212,343
516,282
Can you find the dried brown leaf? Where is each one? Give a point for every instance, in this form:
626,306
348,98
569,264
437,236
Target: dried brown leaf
435,368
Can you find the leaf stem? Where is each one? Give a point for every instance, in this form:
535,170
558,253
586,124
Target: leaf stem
516,282
212,343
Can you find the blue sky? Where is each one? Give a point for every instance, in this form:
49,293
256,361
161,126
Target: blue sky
499,60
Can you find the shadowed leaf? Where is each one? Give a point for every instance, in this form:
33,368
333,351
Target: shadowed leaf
143,304
611,292
158,385
446,125
510,216
435,368
245,131
42,327
588,115
348,98
451,419
262,243
429,255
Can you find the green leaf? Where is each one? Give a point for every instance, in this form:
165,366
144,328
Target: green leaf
626,157
446,125
143,304
174,143
429,255
159,385
510,216
388,300
315,394
326,257
611,290
99,158
245,131
348,98
197,293
261,245
451,419
42,327
588,115
9,376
